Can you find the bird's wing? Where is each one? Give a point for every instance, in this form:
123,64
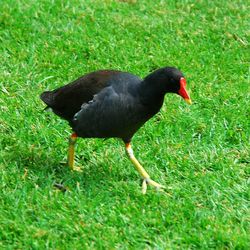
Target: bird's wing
108,114
67,100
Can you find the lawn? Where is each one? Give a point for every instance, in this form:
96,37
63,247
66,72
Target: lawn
200,152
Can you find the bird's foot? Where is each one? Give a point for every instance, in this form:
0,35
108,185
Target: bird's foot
77,169
148,181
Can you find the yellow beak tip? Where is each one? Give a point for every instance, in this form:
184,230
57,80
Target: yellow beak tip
188,101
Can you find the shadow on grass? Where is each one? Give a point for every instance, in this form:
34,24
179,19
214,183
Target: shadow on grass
44,170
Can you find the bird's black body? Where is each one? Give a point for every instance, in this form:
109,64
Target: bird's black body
111,103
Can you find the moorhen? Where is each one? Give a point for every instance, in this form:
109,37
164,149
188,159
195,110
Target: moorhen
111,103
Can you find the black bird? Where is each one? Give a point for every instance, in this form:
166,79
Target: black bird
111,103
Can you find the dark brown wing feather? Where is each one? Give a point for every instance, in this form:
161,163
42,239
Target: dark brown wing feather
66,101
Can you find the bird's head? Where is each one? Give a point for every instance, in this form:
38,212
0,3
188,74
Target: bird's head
170,80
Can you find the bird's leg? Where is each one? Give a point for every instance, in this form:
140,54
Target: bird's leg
71,151
146,178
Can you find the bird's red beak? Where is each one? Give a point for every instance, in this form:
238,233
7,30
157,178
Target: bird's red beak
183,92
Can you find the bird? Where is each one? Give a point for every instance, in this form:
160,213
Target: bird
114,104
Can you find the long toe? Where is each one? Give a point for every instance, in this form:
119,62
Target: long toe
77,169
148,181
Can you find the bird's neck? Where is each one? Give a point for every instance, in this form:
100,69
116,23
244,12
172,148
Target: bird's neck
151,92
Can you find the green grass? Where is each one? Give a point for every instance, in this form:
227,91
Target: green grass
200,152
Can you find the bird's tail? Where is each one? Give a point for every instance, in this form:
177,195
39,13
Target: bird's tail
47,97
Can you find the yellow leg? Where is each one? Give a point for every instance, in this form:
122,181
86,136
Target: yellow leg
146,178
71,151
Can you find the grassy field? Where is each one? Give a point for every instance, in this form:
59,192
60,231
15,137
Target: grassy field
200,152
